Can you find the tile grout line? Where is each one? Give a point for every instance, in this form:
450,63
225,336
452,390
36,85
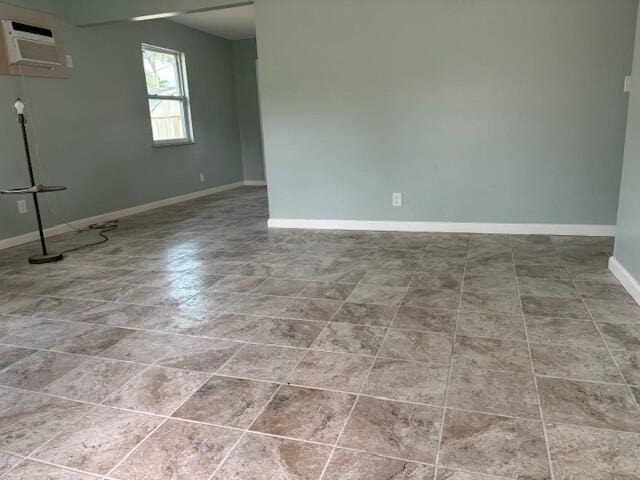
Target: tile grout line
533,374
370,369
74,421
236,340
242,344
405,402
388,328
362,383
606,346
116,281
263,409
96,406
170,416
328,446
215,317
160,424
258,415
450,372
54,465
311,442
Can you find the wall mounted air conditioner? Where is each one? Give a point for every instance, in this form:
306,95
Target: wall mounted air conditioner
30,45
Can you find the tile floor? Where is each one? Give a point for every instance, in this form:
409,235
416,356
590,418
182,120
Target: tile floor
197,344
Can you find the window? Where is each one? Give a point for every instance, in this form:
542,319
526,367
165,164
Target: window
168,95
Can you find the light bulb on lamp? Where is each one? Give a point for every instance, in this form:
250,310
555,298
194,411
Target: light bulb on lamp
19,106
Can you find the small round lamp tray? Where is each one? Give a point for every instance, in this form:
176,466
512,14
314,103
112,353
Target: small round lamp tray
49,258
34,189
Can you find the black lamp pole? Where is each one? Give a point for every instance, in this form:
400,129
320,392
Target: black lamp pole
46,256
23,122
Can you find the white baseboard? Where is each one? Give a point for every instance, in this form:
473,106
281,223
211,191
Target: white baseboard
85,222
255,183
447,227
628,281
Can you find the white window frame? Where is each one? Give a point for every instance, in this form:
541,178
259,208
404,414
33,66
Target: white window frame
183,85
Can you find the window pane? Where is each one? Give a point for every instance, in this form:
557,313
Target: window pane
162,72
167,120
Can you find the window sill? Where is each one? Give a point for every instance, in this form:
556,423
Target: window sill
173,143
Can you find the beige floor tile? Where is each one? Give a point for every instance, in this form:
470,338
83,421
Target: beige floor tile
10,397
39,471
629,363
408,381
431,320
305,414
263,362
179,450
502,393
554,307
491,325
492,354
563,331
395,429
199,354
589,404
10,355
377,294
508,304
365,314
494,445
157,390
35,420
94,380
334,371
259,457
420,298
214,288
345,338
99,440
416,345
348,465
574,362
592,454
38,370
227,401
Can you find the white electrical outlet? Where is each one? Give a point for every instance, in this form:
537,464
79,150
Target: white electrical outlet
202,177
22,206
69,60
396,199
627,83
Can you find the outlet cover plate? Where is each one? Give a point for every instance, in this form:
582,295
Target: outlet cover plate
22,206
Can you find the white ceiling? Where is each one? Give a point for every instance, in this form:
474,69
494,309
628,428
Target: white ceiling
235,23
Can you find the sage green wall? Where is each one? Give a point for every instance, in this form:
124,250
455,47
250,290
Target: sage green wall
57,7
244,61
627,248
93,133
476,110
88,12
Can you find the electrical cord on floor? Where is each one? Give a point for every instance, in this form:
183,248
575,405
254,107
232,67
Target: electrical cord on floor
103,229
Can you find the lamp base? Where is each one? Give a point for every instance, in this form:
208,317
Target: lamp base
49,258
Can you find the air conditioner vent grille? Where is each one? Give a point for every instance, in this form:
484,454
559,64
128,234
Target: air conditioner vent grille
33,50
23,27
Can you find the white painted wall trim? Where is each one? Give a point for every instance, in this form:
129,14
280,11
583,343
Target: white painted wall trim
628,281
448,227
255,183
85,222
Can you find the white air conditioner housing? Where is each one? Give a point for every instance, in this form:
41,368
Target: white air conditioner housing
30,45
